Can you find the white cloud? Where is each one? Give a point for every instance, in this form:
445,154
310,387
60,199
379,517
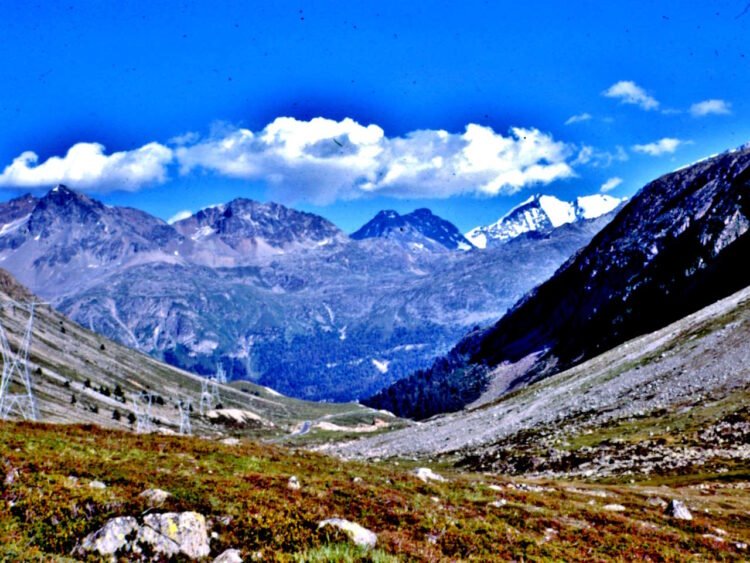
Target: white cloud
600,158
323,160
711,107
628,92
610,184
578,118
86,166
666,145
179,216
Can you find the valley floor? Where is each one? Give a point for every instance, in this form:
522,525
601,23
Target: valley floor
243,489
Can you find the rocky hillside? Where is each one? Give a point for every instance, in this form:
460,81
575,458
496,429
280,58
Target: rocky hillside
670,402
675,247
276,296
79,376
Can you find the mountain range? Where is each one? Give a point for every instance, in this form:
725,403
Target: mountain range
275,295
677,246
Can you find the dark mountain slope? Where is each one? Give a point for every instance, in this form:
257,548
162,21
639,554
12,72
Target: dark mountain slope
679,245
420,227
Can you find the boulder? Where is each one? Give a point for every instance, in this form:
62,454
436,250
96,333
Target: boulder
97,485
293,483
172,533
229,556
677,509
165,534
155,497
426,474
359,535
112,537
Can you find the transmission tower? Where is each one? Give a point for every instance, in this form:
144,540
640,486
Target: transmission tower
142,409
17,365
221,375
209,395
185,405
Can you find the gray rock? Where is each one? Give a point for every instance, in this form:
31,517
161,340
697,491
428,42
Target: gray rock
172,533
677,509
293,483
359,535
229,556
109,539
155,497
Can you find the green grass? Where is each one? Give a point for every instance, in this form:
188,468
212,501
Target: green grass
243,491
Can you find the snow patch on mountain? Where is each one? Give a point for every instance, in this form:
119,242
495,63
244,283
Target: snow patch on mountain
541,213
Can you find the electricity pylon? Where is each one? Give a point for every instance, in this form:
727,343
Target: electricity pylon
209,395
142,408
184,405
17,364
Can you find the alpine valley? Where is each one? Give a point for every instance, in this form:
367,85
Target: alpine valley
281,297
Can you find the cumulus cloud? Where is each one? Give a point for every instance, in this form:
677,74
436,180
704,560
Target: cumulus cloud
179,216
578,118
711,107
86,166
628,92
610,184
667,145
323,160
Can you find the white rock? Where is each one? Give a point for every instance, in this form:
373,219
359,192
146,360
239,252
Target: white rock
155,497
110,538
614,507
426,474
677,509
499,503
293,483
172,533
230,441
97,485
358,534
229,556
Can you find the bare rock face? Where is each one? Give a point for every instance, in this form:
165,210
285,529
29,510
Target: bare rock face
678,509
359,535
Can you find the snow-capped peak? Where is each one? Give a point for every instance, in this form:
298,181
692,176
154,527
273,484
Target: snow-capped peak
542,213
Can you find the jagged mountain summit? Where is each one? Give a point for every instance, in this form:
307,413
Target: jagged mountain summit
680,244
420,228
542,213
66,240
277,296
243,229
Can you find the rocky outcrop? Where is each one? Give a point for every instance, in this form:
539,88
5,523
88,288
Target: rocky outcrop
168,534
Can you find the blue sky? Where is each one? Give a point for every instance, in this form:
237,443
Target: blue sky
466,108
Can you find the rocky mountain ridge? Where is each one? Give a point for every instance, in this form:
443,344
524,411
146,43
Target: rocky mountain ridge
675,247
420,228
540,214
275,295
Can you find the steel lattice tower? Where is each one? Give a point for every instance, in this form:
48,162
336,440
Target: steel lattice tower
16,365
